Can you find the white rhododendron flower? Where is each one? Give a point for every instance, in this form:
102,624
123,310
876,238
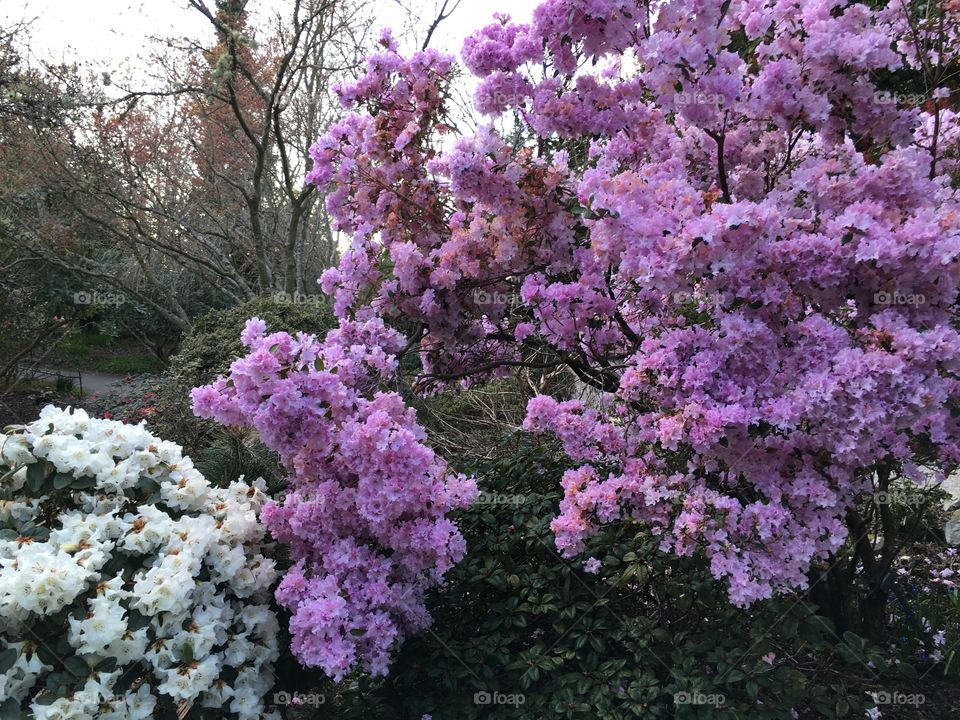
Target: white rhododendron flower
16,451
22,675
127,582
38,578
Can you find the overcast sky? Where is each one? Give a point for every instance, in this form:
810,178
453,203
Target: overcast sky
105,34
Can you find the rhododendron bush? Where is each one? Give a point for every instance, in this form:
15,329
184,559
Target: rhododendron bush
714,215
127,583
365,513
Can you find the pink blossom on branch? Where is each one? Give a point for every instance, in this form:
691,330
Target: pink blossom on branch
365,515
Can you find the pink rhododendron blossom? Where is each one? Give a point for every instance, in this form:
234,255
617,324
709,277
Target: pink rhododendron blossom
365,515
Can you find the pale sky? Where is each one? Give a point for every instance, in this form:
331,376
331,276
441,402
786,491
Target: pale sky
104,34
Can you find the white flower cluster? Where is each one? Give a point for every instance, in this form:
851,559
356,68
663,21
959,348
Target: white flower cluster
126,580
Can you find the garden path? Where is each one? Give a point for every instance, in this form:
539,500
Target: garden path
94,383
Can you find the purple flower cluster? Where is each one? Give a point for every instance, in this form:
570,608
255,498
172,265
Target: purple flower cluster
365,517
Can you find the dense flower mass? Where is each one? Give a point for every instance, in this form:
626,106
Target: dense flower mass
127,582
365,512
718,217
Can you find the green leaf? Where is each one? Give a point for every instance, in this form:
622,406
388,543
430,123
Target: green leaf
35,476
853,640
62,480
77,667
84,483
47,656
10,709
790,626
148,484
7,659
29,529
137,620
908,670
63,645
47,696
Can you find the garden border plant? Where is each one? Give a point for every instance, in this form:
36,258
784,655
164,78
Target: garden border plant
129,587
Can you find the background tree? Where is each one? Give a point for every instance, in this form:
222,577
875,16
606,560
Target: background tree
189,196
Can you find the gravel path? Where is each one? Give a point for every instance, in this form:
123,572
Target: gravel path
94,383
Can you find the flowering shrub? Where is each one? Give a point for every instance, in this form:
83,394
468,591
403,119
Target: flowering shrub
207,351
127,583
365,514
714,215
717,218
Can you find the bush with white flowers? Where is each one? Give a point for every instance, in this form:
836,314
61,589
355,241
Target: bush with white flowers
129,587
